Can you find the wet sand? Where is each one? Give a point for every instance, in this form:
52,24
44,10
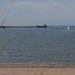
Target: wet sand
36,70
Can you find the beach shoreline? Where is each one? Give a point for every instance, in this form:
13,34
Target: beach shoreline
36,70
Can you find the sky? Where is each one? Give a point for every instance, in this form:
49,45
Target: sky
38,12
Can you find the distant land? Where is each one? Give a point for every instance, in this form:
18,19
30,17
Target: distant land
21,27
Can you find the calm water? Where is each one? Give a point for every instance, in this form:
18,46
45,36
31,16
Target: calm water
36,46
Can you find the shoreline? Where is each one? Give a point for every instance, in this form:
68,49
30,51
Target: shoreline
24,66
36,70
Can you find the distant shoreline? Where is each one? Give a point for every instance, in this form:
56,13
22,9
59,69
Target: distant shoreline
21,26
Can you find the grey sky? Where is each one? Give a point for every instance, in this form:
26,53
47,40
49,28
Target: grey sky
33,12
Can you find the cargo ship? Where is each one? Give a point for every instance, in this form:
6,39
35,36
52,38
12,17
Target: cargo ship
44,26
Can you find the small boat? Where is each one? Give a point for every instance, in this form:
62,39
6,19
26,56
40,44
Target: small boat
68,28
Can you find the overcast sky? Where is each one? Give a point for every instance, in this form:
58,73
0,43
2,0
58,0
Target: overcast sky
38,12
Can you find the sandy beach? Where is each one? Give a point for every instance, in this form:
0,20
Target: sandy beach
36,70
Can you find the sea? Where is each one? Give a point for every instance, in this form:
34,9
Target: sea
38,46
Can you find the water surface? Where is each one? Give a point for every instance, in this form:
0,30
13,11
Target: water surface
38,46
